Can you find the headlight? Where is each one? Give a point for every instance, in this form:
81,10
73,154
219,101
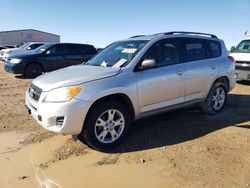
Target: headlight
63,94
15,61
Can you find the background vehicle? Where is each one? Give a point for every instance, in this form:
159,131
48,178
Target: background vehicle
1,48
22,49
9,46
241,55
132,79
6,49
49,57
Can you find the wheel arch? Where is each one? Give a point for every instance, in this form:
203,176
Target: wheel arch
120,97
34,62
224,79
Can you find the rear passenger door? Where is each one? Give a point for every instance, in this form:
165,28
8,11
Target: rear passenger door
77,54
200,68
73,54
164,85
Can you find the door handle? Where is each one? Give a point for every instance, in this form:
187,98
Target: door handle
213,67
179,73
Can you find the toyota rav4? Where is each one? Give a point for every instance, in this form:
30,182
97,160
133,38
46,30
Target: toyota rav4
132,79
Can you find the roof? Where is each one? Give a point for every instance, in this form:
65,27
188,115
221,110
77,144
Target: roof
28,30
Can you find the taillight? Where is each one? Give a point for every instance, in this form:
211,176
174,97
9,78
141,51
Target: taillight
231,58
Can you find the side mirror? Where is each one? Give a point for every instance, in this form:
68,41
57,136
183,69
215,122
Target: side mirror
148,63
47,52
232,48
29,48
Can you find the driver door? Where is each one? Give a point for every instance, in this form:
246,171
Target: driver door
164,85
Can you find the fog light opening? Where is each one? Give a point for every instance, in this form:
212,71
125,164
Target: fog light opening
59,121
39,118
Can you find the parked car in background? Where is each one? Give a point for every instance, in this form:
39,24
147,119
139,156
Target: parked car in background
10,46
1,48
49,57
132,79
21,49
241,55
6,49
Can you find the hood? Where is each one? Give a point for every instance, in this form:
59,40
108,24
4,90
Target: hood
22,54
17,51
8,50
241,56
73,75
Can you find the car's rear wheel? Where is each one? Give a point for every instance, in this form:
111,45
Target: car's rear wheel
33,70
107,124
216,99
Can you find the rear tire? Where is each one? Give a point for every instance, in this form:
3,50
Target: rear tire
33,70
216,99
106,125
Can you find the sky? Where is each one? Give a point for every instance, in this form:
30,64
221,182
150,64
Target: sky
100,22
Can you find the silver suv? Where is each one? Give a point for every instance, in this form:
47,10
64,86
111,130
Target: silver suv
132,79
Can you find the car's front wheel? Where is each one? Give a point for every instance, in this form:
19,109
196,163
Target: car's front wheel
216,99
33,70
106,125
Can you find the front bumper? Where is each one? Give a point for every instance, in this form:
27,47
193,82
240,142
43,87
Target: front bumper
243,74
13,68
72,114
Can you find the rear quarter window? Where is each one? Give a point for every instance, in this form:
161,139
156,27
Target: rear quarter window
215,48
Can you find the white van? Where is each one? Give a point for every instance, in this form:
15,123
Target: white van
241,55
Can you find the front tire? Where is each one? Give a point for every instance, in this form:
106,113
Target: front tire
216,99
33,70
106,125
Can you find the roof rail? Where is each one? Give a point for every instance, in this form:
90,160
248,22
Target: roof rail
192,33
137,36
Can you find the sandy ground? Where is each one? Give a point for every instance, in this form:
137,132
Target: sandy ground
185,148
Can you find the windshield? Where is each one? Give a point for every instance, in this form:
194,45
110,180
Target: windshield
118,54
23,46
244,46
42,48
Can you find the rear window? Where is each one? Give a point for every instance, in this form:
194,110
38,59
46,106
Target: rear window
215,48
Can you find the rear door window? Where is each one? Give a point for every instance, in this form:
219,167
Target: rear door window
194,50
88,49
73,49
80,49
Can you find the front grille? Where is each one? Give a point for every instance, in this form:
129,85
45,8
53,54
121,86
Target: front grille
34,92
242,68
243,62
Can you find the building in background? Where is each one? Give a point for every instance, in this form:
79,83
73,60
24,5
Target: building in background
17,37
